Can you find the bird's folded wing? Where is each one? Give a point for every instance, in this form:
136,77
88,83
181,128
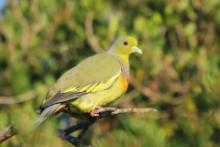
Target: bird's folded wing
93,74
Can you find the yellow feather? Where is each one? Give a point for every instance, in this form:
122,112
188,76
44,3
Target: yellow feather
71,89
93,87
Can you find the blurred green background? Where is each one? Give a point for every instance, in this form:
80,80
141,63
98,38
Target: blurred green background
178,73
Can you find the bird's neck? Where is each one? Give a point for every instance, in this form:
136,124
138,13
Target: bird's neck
124,63
124,59
125,67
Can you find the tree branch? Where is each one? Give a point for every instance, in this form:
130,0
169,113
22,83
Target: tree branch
81,125
114,111
91,37
85,124
7,133
8,100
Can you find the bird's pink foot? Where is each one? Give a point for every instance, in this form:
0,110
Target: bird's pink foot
95,112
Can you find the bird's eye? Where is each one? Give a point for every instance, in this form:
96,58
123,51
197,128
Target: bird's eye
125,43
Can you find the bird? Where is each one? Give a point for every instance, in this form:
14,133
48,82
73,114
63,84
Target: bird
95,82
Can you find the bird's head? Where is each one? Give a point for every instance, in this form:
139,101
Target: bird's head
125,46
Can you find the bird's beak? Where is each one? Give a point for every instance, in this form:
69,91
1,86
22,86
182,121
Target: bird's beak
137,50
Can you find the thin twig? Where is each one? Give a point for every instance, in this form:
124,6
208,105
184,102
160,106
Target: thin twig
115,111
7,133
91,37
8,100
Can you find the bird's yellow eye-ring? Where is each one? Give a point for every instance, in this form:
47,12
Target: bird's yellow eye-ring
125,43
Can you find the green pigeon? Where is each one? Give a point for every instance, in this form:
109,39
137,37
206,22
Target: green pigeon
94,83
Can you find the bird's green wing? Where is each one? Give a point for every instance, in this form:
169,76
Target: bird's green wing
93,74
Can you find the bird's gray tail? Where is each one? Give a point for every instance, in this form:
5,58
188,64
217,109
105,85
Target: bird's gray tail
46,113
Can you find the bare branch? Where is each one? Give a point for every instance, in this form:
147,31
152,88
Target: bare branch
85,124
7,133
8,100
114,111
91,37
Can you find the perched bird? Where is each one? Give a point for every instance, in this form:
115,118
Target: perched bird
95,82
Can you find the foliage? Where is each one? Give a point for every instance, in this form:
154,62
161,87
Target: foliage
178,73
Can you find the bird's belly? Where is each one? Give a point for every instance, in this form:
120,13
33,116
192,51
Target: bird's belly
88,102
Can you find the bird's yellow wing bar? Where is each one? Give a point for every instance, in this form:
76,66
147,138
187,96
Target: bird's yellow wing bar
94,87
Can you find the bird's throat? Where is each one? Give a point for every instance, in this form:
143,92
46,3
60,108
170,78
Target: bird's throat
124,59
124,62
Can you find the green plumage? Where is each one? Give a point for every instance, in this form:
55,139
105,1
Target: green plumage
92,75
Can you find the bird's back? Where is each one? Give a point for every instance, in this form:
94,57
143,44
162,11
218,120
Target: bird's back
95,69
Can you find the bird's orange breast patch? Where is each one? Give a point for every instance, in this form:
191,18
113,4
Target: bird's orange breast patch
124,82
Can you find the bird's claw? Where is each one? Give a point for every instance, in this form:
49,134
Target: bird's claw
96,112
